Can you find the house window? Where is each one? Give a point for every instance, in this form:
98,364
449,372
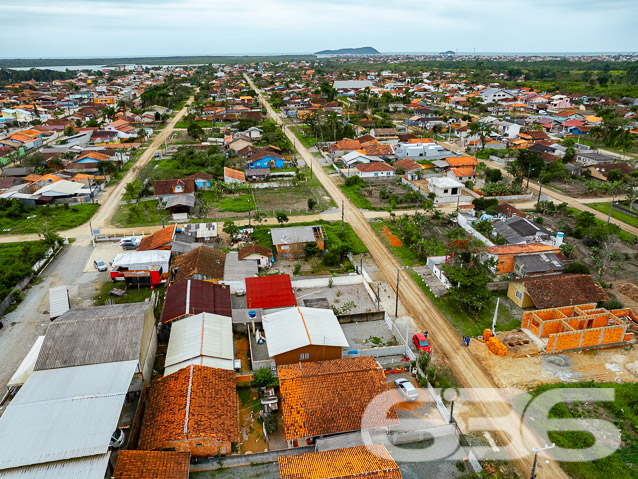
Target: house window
376,174
445,192
285,247
455,191
199,444
179,189
519,295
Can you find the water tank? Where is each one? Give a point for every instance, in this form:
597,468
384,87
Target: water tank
559,238
252,314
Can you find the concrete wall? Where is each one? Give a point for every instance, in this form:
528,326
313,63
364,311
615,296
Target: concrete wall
324,281
433,263
377,352
361,317
210,464
465,224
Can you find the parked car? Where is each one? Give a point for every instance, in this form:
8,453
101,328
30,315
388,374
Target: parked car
421,343
407,390
129,245
117,439
131,239
100,265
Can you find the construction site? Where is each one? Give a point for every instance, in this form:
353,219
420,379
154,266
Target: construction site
580,326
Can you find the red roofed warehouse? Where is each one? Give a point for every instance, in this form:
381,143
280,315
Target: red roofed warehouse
270,292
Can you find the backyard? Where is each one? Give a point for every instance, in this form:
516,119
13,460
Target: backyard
133,293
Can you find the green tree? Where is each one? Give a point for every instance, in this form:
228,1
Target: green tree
264,379
230,228
311,203
195,131
281,217
69,131
482,130
493,175
310,249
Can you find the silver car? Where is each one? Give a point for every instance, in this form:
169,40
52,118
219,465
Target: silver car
408,391
100,265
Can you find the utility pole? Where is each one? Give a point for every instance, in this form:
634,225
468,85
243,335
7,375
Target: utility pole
342,214
536,451
416,208
611,207
540,189
249,212
396,302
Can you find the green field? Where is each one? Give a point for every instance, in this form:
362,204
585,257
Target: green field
133,293
464,323
185,124
59,218
619,215
143,214
16,260
622,412
353,192
236,204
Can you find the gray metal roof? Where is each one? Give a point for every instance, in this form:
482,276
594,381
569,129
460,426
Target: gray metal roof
63,414
58,301
292,235
84,336
236,270
187,199
539,263
352,84
91,467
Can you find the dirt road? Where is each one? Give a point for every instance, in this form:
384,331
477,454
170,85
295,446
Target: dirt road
445,340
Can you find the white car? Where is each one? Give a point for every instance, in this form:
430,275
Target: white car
100,265
131,239
408,391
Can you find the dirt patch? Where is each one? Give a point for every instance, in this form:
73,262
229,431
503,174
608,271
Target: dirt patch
241,351
627,293
575,189
250,429
392,238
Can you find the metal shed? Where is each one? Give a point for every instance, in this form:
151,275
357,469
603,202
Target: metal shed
27,365
58,301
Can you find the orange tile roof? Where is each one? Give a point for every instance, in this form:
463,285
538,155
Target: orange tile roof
208,262
462,161
372,462
195,402
158,239
374,148
32,177
326,397
50,178
408,164
345,144
94,155
234,174
521,248
469,171
155,464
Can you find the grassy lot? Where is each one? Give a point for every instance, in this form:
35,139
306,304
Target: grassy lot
16,260
133,294
237,204
60,218
622,412
143,214
619,215
623,235
185,124
332,230
463,322
354,194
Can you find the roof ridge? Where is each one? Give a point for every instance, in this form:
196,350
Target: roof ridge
188,400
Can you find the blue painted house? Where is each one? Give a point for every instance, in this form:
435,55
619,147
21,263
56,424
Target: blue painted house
265,160
580,130
202,180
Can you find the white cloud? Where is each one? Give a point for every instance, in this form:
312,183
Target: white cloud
37,28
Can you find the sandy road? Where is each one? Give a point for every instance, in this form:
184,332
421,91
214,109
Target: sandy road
445,339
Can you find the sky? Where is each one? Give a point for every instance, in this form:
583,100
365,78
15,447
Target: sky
111,28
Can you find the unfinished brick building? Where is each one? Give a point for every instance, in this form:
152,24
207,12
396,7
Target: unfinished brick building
581,326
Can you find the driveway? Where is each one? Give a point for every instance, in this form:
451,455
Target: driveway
31,318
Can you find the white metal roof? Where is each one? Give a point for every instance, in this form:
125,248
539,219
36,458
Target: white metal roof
61,187
91,467
26,366
204,339
142,259
64,413
445,182
58,301
297,327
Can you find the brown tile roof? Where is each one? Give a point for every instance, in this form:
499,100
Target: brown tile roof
326,397
465,171
408,164
374,148
195,402
605,168
254,249
234,174
345,144
208,262
372,462
563,290
157,240
509,211
166,187
373,166
461,161
155,464
521,248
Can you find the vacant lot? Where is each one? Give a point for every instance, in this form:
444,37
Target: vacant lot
59,218
380,194
146,213
619,215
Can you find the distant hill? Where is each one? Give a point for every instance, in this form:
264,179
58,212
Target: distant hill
449,52
350,51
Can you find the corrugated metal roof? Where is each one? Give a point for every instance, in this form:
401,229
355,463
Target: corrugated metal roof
77,338
142,259
295,328
64,413
91,467
194,296
61,187
293,234
270,292
26,366
205,340
58,301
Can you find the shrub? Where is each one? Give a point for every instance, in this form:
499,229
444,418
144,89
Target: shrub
271,423
613,303
264,378
354,180
576,268
297,269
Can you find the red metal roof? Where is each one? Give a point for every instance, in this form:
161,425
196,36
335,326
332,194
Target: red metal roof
203,297
270,292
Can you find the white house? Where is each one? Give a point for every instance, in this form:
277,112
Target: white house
354,157
419,150
374,170
445,187
495,95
